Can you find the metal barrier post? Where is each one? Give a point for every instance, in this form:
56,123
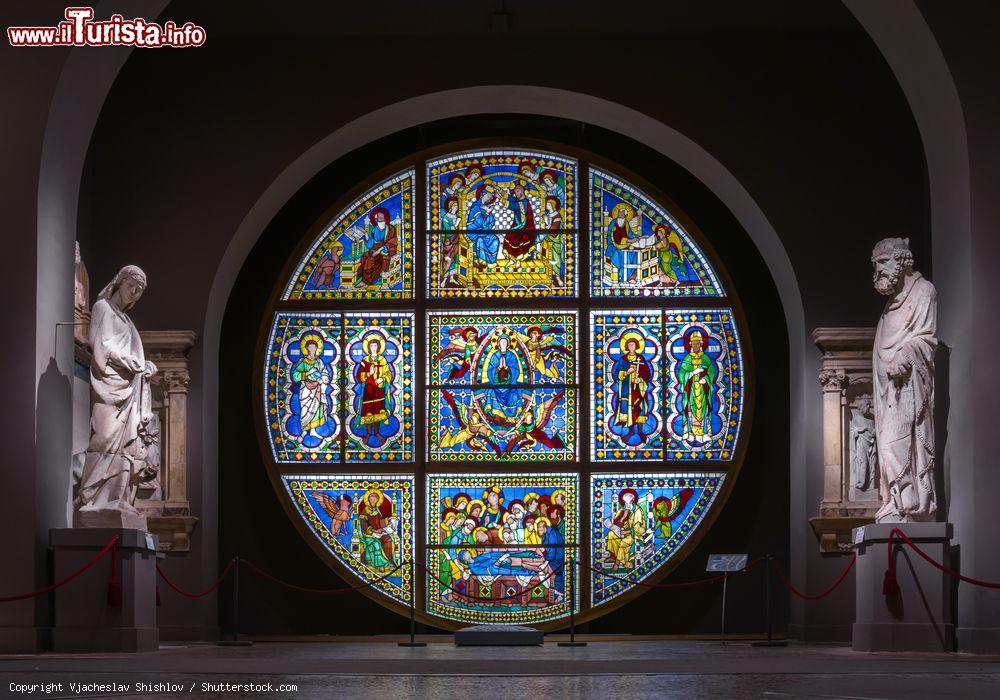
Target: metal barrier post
769,642
572,610
413,621
236,641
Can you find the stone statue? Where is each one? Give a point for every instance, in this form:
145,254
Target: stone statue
903,379
81,301
864,458
122,427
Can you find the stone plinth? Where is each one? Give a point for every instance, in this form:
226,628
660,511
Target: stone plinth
84,621
498,636
919,617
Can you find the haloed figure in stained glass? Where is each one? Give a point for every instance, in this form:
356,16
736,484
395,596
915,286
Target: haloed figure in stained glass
379,527
625,529
311,404
375,390
625,238
697,374
632,401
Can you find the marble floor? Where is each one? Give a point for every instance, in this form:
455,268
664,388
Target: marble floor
606,669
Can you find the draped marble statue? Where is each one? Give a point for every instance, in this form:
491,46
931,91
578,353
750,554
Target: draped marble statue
903,379
119,457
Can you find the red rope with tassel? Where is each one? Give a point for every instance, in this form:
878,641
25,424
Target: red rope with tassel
890,586
111,545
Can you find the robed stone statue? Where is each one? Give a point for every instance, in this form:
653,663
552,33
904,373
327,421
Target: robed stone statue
903,365
117,460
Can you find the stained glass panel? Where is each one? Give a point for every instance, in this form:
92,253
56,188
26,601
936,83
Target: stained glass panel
520,348
503,224
499,546
457,185
366,522
302,387
638,249
627,398
639,521
705,391
379,353
366,252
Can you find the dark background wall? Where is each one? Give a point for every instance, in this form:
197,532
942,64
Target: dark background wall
796,102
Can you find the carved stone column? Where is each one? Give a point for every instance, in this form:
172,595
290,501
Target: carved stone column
850,470
166,502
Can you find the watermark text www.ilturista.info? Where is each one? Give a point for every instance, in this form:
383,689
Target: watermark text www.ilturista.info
80,29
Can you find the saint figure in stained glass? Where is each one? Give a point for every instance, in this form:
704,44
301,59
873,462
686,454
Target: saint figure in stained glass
633,401
379,526
312,406
625,241
625,529
696,375
374,403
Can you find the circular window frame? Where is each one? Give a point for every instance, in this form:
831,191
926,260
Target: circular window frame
582,304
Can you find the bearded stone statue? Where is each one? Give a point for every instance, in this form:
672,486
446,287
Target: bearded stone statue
903,378
118,457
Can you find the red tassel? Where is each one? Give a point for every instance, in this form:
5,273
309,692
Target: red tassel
890,586
114,585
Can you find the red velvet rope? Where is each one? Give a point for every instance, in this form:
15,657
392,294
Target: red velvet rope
112,544
188,594
490,599
824,594
326,591
684,584
890,585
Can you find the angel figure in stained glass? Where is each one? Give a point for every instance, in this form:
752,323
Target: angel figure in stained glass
625,528
549,181
666,509
671,268
472,429
543,346
339,511
697,374
327,274
459,351
531,429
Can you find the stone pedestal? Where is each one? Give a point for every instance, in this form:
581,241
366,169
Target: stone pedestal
84,621
919,618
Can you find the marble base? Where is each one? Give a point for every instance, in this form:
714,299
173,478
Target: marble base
919,618
498,636
104,517
84,621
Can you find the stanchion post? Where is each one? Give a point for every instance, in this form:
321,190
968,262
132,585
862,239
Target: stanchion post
572,610
769,642
236,641
413,618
